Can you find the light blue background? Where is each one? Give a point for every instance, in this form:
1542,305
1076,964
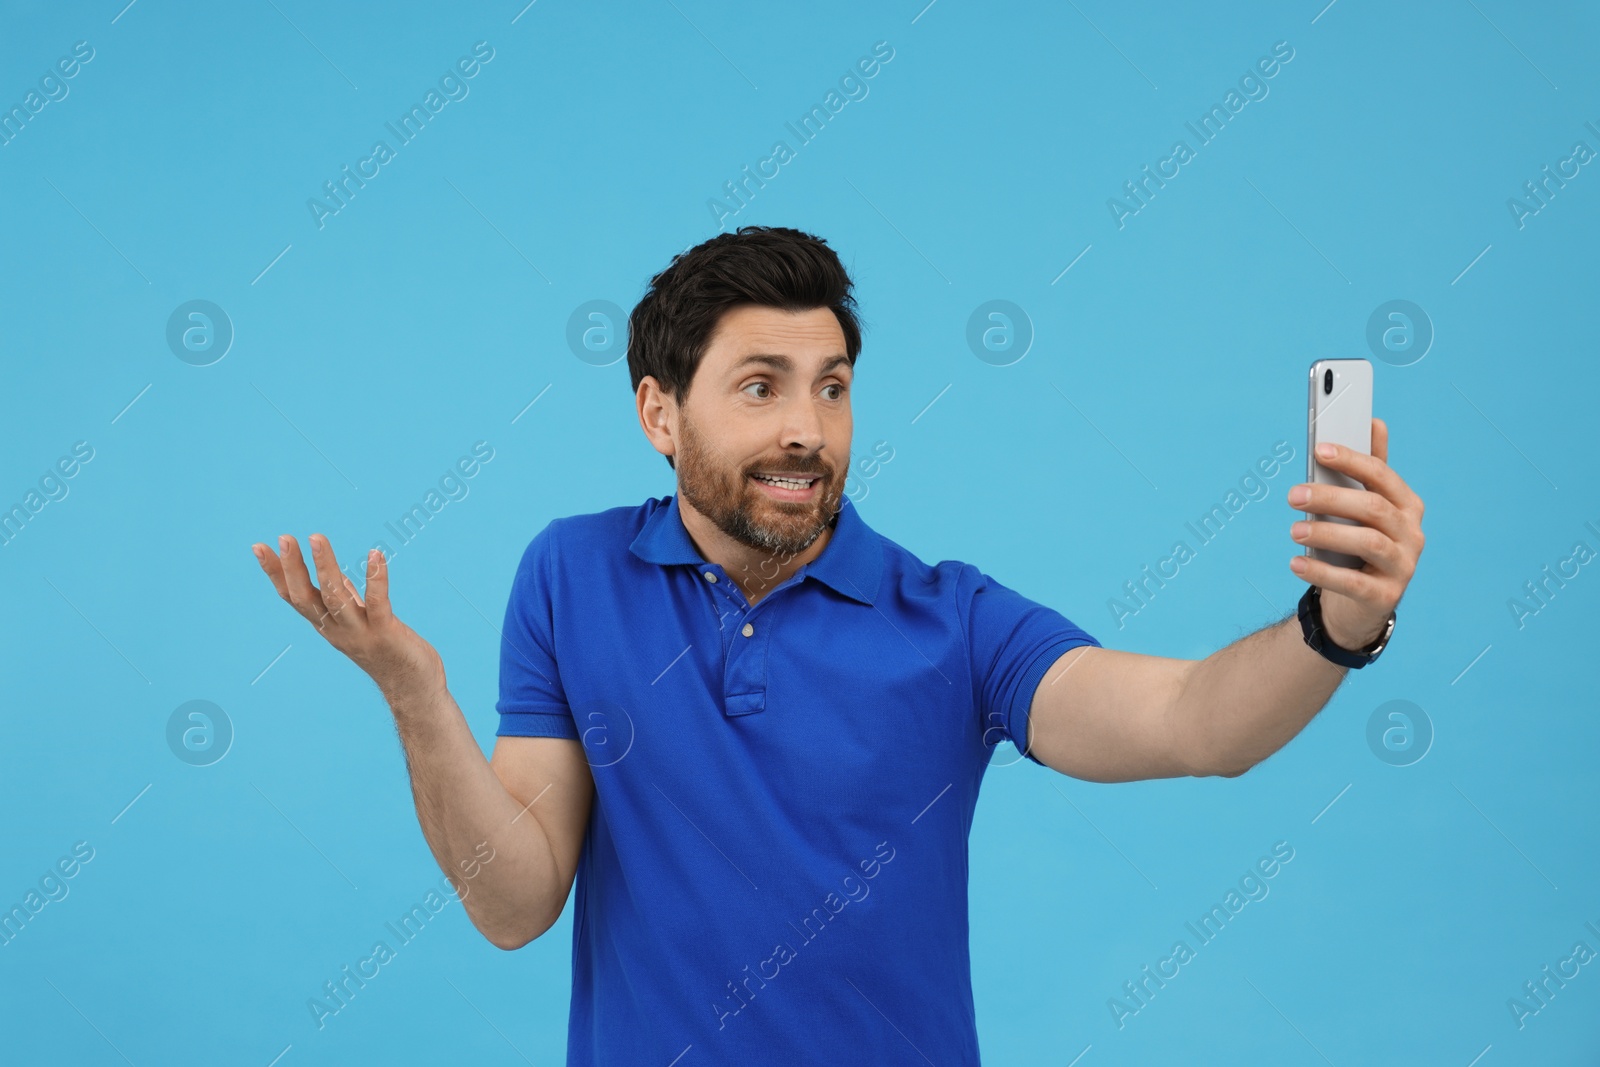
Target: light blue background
428,314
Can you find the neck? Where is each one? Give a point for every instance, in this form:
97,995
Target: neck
756,571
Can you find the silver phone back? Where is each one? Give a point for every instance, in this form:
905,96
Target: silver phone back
1344,417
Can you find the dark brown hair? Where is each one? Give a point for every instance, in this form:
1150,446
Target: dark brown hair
772,266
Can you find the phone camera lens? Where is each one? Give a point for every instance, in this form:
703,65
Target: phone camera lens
1327,381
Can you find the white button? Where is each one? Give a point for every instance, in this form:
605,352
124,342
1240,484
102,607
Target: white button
710,577
748,630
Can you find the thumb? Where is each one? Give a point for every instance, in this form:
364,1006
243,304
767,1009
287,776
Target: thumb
378,609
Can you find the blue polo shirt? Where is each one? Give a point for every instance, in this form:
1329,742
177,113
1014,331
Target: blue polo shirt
775,869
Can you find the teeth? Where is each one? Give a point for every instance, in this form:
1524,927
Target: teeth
785,483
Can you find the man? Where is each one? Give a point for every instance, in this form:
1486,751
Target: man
754,729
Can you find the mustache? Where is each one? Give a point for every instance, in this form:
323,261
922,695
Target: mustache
798,472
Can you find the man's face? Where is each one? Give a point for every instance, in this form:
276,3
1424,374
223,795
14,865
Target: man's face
771,397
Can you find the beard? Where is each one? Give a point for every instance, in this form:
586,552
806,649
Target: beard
742,511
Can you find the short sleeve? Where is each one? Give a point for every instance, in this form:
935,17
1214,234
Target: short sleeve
532,702
1012,642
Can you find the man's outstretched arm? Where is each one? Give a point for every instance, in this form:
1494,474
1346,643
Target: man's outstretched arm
1111,716
529,804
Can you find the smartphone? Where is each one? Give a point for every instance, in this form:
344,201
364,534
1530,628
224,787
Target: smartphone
1340,410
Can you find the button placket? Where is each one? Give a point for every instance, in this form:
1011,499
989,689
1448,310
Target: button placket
745,680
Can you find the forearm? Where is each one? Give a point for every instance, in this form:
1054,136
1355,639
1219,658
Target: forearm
1242,703
461,803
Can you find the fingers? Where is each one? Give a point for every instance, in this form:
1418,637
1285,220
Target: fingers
1356,584
1381,552
306,599
377,587
334,586
1380,439
1371,471
273,568
1366,508
336,600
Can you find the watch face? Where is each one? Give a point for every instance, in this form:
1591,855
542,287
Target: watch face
1383,639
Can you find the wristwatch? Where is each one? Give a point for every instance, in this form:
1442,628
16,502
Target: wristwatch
1317,637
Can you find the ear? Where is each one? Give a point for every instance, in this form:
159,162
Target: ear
658,416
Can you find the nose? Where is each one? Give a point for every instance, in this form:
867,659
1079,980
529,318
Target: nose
802,427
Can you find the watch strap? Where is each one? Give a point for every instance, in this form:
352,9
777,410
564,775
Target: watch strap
1310,612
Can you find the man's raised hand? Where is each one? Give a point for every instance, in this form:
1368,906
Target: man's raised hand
1387,536
365,629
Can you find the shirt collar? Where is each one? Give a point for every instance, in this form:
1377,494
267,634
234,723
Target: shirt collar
851,563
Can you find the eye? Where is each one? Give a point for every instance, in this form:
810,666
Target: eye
838,386
753,385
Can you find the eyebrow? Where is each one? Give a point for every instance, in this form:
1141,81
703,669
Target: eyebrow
784,364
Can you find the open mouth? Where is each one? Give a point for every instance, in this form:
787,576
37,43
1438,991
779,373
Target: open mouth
794,488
